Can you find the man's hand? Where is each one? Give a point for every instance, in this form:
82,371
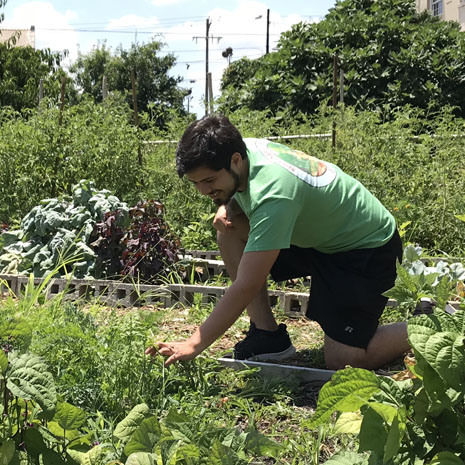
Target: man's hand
182,350
222,222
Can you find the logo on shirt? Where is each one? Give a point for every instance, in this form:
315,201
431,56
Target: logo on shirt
311,170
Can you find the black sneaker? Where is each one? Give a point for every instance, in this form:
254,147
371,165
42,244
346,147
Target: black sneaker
425,306
264,345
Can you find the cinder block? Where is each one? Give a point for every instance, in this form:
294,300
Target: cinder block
276,298
8,284
56,287
212,294
295,303
23,282
148,294
206,254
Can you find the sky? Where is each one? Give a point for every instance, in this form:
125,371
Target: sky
80,25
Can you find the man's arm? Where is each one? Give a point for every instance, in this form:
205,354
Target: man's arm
252,274
223,220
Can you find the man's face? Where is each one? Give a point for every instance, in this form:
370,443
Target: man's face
220,186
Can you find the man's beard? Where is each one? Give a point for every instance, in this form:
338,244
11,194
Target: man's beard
230,194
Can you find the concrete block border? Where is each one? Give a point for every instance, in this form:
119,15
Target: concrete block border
129,295
116,293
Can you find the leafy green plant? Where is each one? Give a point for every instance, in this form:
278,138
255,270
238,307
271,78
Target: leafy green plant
56,230
416,280
35,426
419,420
142,248
177,439
200,234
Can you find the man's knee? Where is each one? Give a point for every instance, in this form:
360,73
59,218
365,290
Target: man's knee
338,355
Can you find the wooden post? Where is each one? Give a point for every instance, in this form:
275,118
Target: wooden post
208,24
267,31
136,113
104,88
210,92
341,86
41,90
334,98
62,104
134,98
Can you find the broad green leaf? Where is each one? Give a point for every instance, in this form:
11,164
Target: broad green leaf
373,432
348,423
188,452
386,411
3,363
348,458
34,441
91,457
436,392
68,416
448,427
169,449
19,330
219,454
420,406
174,418
347,391
453,323
261,445
145,437
128,425
444,352
50,456
406,279
443,291
142,458
446,458
59,432
394,439
29,379
7,450
411,254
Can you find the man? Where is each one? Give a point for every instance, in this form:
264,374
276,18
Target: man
289,214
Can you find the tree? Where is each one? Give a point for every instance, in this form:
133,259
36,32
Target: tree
157,92
390,54
22,69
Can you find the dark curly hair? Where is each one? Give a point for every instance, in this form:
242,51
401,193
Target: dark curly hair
211,142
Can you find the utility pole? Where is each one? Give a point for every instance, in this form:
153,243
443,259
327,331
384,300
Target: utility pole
207,37
267,31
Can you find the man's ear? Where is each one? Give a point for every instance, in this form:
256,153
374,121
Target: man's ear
236,160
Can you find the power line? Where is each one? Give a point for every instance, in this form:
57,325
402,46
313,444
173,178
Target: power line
180,20
122,31
211,50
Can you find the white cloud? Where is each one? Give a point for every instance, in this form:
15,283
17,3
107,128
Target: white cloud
53,28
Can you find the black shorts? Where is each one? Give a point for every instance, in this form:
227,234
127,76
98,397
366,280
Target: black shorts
346,288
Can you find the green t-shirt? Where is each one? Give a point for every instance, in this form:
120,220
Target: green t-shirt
292,198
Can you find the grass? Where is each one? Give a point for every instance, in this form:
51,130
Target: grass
96,356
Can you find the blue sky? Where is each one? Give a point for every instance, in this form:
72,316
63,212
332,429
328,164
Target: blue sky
241,24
